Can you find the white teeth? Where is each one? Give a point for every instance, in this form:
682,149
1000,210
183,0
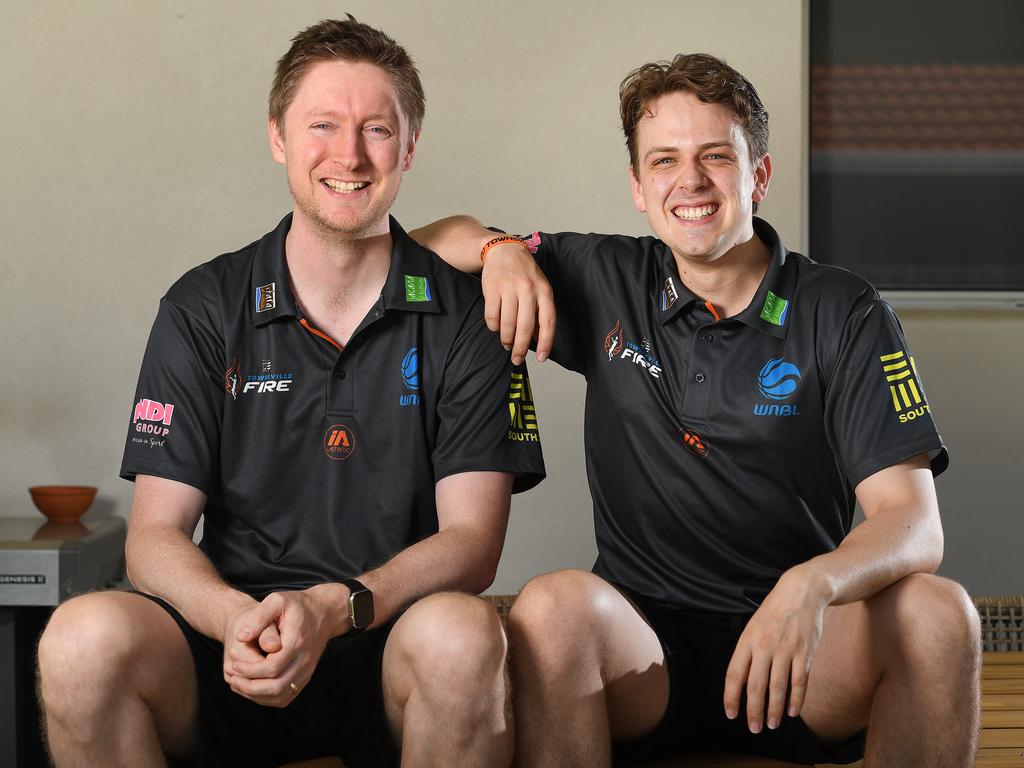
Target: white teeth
692,214
345,186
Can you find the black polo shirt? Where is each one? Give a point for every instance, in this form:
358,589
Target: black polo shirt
320,463
721,452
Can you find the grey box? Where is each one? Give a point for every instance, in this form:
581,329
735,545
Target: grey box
45,564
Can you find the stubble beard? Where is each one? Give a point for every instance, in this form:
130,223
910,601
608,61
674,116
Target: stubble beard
331,230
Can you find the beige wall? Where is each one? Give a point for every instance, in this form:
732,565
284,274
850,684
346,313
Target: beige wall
135,148
972,364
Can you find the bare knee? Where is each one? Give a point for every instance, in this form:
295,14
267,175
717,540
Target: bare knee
84,637
560,616
551,601
452,645
85,647
937,621
574,635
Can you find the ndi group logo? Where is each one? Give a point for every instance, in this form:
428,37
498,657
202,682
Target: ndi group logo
153,418
777,380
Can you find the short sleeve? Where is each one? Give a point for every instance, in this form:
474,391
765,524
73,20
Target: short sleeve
176,415
487,416
876,410
567,261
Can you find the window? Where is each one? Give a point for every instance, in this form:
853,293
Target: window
917,142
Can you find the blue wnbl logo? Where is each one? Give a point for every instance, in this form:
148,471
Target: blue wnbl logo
411,377
777,380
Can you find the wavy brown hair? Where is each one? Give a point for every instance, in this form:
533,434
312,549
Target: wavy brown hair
347,40
709,79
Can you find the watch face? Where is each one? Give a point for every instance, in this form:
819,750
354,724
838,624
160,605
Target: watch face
361,609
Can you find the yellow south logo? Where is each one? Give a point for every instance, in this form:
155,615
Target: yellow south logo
904,387
522,413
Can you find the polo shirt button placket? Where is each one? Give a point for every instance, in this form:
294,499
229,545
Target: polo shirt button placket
340,394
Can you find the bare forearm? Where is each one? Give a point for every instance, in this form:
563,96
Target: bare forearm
163,561
454,559
456,239
878,553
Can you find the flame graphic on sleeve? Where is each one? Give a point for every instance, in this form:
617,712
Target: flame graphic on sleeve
613,341
232,379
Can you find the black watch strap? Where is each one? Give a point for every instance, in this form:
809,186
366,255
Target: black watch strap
360,605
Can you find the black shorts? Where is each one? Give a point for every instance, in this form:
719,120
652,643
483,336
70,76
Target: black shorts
698,647
340,712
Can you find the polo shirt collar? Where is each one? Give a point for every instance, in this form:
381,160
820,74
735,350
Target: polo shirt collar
409,286
772,306
270,295
769,311
673,296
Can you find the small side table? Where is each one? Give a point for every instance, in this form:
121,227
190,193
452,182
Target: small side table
41,565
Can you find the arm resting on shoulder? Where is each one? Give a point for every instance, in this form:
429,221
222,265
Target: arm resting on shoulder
456,239
518,301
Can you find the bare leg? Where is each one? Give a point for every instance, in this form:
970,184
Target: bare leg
906,664
587,671
445,683
117,683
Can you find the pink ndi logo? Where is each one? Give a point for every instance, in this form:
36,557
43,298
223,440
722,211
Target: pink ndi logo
152,411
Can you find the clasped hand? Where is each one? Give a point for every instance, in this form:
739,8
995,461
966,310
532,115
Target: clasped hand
275,645
772,660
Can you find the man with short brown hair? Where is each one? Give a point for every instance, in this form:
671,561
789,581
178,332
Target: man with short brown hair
740,399
329,401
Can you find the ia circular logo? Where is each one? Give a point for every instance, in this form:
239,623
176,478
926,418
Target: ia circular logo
339,442
778,379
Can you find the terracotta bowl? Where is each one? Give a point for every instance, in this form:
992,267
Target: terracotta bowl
63,503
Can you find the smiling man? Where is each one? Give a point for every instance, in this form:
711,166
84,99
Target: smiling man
740,399
329,400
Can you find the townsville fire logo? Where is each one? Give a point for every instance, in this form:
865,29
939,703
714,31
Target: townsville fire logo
613,342
232,379
616,346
